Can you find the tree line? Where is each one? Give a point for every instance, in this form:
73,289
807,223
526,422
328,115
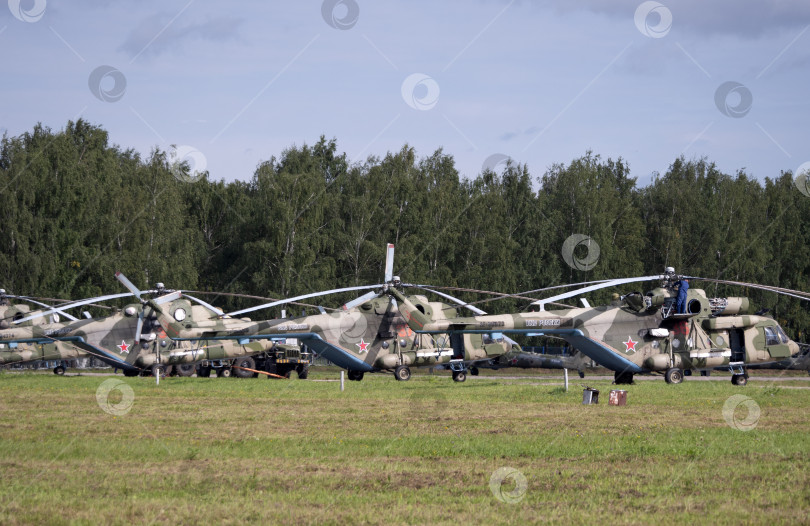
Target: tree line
74,209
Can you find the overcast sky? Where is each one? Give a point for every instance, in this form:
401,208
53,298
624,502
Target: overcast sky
232,84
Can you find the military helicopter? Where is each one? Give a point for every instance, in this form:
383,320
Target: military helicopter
33,352
54,351
366,335
129,339
640,333
799,362
524,359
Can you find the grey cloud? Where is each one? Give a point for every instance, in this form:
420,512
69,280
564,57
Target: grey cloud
801,62
169,35
744,18
508,136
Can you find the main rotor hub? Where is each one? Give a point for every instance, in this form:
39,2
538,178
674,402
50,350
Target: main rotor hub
670,277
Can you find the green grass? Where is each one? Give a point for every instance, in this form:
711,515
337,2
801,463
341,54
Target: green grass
263,451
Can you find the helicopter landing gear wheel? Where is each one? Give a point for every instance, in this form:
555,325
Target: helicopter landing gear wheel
246,362
59,370
355,376
622,378
184,369
158,370
224,372
739,379
459,376
673,375
474,371
402,373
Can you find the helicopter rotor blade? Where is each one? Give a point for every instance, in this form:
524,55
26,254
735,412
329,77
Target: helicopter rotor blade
166,298
389,263
462,303
611,283
132,288
519,295
579,292
473,309
128,284
303,296
498,295
73,305
35,302
359,301
253,297
215,310
139,327
769,288
388,277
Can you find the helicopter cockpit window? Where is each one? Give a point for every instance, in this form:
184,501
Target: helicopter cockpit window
782,335
494,337
771,338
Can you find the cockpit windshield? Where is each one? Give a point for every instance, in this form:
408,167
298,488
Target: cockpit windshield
771,336
782,334
494,337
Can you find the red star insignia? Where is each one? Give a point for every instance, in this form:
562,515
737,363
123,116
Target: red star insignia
630,345
362,345
123,347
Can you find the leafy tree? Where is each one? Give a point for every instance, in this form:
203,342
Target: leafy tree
74,209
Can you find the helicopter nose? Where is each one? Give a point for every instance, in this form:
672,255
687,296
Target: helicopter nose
794,349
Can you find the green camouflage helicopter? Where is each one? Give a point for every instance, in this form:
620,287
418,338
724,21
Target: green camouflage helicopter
49,352
366,335
800,362
33,352
525,359
640,333
129,339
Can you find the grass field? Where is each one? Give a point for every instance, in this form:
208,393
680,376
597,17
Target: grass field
425,451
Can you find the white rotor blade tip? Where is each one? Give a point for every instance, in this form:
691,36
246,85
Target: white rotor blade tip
389,263
168,297
139,327
127,283
359,301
